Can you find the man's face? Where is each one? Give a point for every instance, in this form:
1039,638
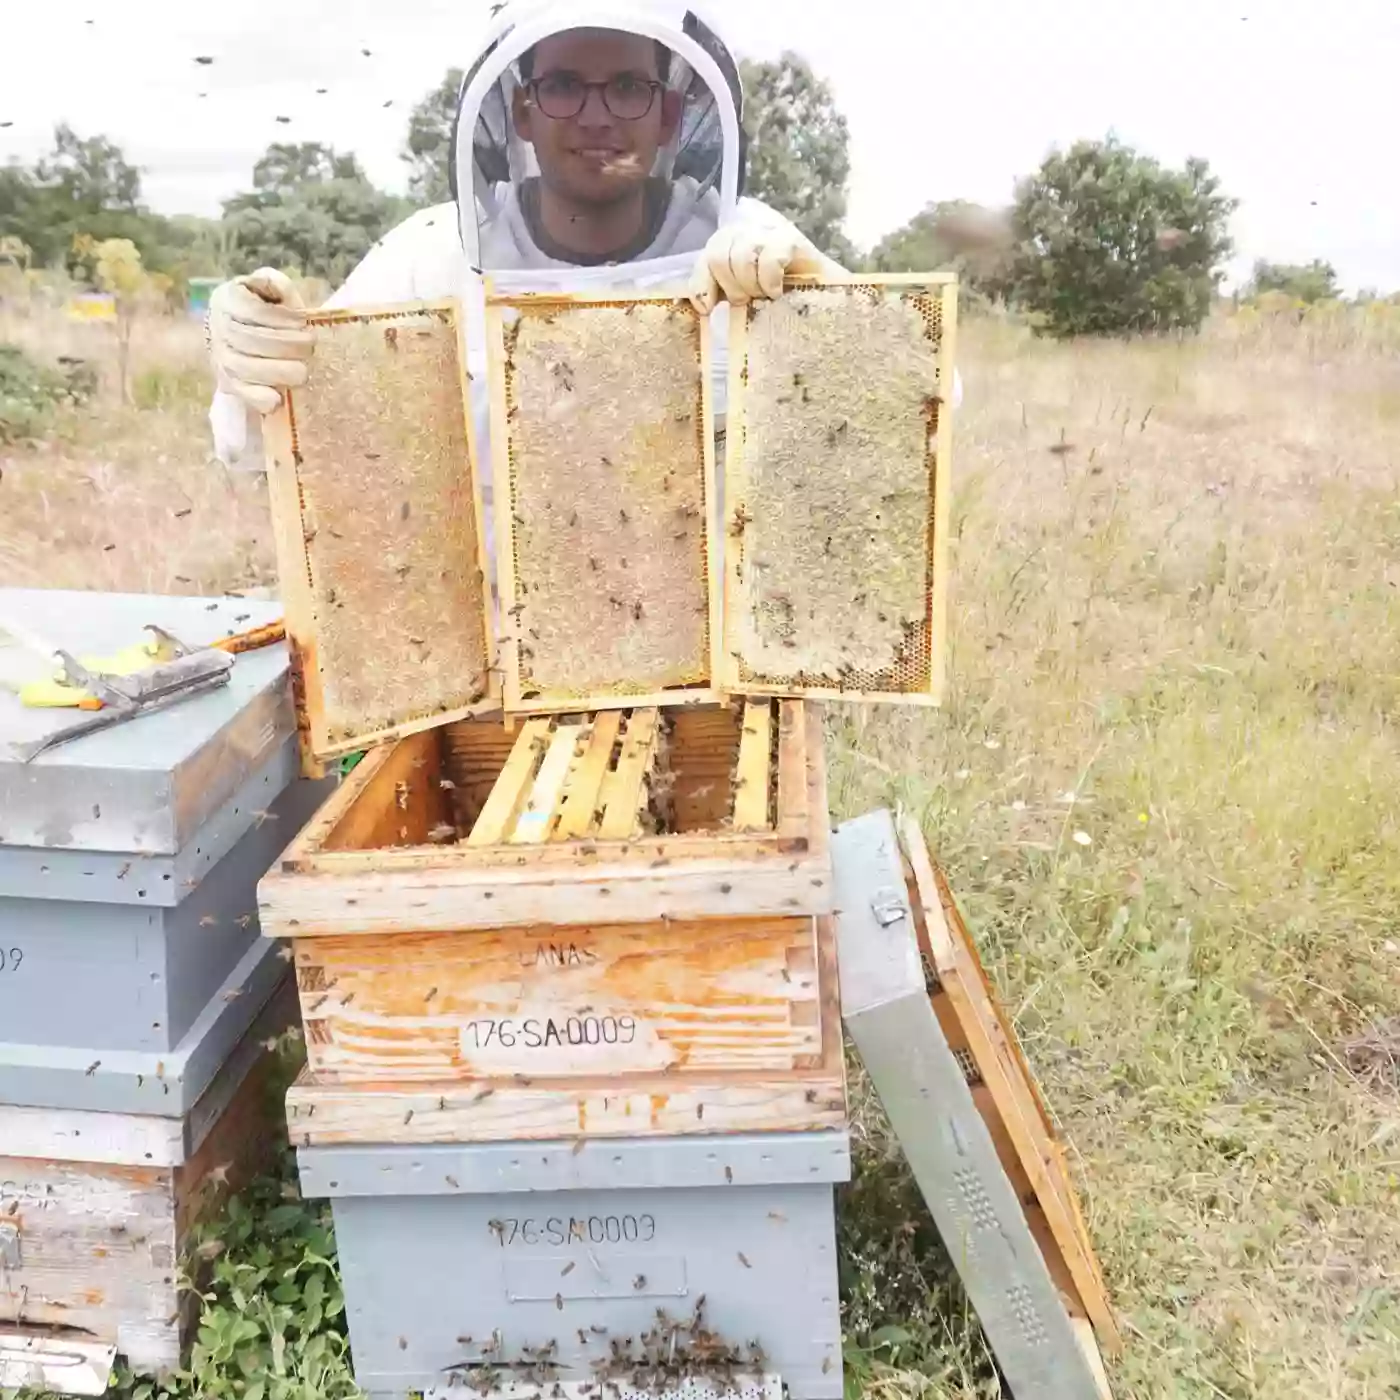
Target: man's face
596,157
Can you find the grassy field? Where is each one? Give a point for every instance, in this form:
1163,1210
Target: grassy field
1167,791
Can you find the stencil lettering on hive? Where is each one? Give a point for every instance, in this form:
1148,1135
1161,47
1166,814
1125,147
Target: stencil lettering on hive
544,1040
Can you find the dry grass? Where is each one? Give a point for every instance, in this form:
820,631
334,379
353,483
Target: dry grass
129,498
1167,789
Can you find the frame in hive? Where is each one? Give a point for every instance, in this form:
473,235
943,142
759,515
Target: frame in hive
604,474
837,485
379,542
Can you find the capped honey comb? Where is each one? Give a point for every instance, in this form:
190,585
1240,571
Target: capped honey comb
604,470
837,458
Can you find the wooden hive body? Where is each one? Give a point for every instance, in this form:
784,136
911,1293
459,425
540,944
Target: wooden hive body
623,937
595,819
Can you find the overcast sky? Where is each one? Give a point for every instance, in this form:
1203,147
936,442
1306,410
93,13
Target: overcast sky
1296,105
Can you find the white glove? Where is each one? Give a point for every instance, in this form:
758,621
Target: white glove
747,261
258,338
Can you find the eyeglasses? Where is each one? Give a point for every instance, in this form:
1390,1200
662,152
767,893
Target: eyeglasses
563,96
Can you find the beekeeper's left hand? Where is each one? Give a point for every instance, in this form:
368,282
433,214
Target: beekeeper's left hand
748,260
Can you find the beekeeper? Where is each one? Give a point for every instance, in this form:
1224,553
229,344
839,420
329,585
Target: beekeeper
596,146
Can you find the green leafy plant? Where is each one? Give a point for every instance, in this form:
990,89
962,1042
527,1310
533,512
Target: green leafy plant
30,393
1110,242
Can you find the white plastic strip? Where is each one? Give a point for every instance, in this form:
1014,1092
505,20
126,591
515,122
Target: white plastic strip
33,1362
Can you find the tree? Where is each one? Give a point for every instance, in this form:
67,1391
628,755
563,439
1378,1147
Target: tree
1309,282
1110,242
428,147
971,240
312,211
799,150
286,166
117,269
83,186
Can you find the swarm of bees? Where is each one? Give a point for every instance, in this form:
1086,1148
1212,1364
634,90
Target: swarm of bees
670,1353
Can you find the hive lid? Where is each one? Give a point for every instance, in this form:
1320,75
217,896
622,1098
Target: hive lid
146,786
377,520
986,1045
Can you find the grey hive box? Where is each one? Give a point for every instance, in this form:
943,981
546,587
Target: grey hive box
130,962
462,1264
97,1212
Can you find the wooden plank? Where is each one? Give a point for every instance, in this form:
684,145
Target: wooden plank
794,721
751,796
943,490
294,582
116,1139
624,793
537,820
832,585
562,1003
498,817
581,802
398,803
669,1104
604,475
1007,1077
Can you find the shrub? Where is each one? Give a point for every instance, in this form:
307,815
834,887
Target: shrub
30,393
1113,243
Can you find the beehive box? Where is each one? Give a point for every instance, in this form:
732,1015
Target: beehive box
377,519
557,1266
837,490
130,962
603,450
96,1212
645,817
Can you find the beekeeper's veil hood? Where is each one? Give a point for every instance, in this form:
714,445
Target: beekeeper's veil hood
694,184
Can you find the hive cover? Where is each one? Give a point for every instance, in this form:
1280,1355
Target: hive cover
837,490
376,515
1004,1089
603,454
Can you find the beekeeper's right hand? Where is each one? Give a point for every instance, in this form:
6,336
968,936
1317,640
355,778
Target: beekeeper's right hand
258,338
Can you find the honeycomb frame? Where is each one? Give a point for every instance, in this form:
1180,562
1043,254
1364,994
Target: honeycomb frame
525,690
318,583
916,672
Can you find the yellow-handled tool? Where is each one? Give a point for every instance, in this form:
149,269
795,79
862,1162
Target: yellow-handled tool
148,676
